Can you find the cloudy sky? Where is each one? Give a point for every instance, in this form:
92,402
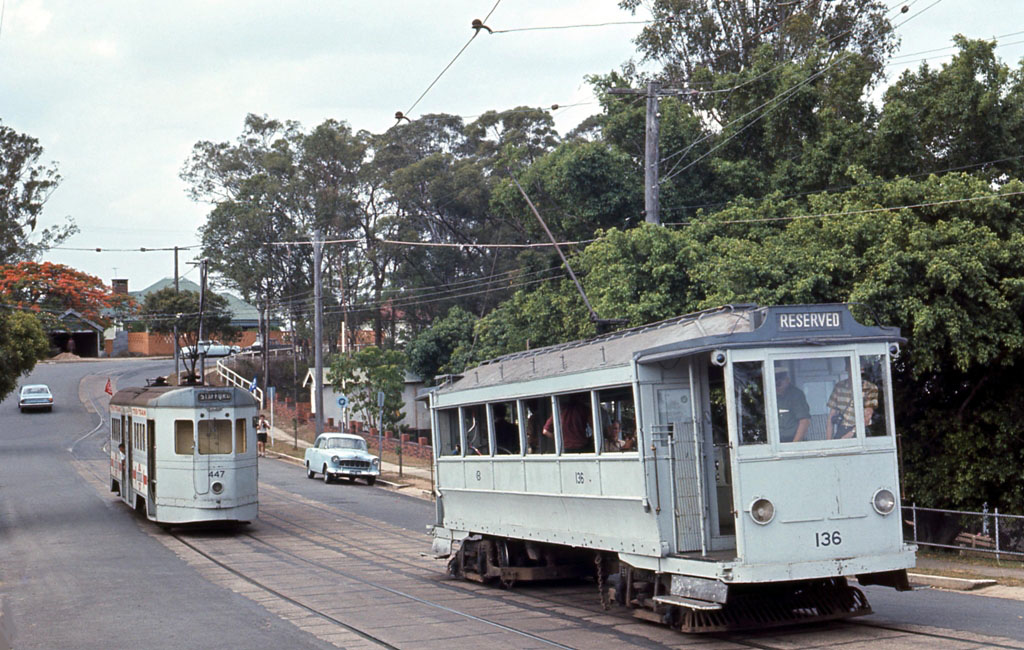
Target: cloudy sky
118,91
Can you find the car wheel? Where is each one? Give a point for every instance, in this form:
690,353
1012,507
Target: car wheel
370,480
327,477
309,473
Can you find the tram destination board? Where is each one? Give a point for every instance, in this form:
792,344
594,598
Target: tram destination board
798,321
207,396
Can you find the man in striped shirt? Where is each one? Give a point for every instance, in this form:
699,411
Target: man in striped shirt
842,417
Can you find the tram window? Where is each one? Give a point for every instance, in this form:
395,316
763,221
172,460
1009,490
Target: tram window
448,433
214,437
537,412
618,419
240,436
183,437
874,389
506,428
474,419
575,422
748,383
115,431
806,392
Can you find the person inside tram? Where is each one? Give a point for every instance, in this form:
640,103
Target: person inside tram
506,434
616,440
842,417
574,417
794,412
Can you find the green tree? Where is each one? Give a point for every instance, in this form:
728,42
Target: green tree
443,347
22,343
968,114
364,374
163,309
25,185
688,37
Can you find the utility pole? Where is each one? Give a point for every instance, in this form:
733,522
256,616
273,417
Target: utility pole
199,337
318,349
177,351
653,92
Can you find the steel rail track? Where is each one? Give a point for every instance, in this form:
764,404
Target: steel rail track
543,606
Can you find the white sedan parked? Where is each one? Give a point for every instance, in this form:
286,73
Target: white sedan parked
341,454
210,349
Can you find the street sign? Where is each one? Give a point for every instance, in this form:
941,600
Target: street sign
342,401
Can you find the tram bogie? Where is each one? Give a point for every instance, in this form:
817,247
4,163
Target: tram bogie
185,455
716,471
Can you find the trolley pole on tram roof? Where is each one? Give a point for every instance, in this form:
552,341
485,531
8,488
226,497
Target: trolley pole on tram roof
318,350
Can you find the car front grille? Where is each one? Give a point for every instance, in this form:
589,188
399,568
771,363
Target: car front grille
354,464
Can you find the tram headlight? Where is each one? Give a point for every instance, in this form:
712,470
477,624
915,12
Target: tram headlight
217,487
762,511
884,501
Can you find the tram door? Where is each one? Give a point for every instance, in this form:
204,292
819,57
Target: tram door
151,467
201,453
126,440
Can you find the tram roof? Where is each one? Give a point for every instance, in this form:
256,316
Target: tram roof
731,326
182,396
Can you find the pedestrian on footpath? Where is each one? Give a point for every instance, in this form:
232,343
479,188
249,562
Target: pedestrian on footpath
262,429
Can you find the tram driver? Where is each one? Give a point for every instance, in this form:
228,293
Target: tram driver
794,412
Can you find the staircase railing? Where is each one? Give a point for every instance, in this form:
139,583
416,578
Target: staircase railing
232,378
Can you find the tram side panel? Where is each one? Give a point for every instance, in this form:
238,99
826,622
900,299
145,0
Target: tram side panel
585,502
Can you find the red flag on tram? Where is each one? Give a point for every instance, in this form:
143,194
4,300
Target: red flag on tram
108,390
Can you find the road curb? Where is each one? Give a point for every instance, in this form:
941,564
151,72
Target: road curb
953,584
300,463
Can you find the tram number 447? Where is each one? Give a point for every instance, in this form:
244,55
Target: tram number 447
217,473
828,538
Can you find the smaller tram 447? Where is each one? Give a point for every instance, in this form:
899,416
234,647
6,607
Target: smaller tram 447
185,454
723,470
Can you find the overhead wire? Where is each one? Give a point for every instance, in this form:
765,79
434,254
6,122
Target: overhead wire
780,97
822,215
476,32
843,188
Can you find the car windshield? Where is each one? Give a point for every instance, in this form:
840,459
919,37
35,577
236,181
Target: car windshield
346,443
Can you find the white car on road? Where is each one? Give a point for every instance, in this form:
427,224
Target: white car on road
210,349
341,454
35,396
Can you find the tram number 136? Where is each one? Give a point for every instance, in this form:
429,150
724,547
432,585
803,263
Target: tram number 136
828,538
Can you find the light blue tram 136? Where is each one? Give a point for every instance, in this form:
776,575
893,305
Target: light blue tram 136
185,455
722,470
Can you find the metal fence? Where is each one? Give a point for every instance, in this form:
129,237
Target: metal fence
975,532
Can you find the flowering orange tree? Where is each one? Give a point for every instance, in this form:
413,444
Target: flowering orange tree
50,289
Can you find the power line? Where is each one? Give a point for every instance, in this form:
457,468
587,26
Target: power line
553,27
851,212
397,242
843,188
476,32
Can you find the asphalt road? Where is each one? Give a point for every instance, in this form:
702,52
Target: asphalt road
78,569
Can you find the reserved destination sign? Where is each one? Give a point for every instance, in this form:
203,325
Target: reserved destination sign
817,320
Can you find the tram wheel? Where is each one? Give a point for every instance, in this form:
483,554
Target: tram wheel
327,477
309,473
